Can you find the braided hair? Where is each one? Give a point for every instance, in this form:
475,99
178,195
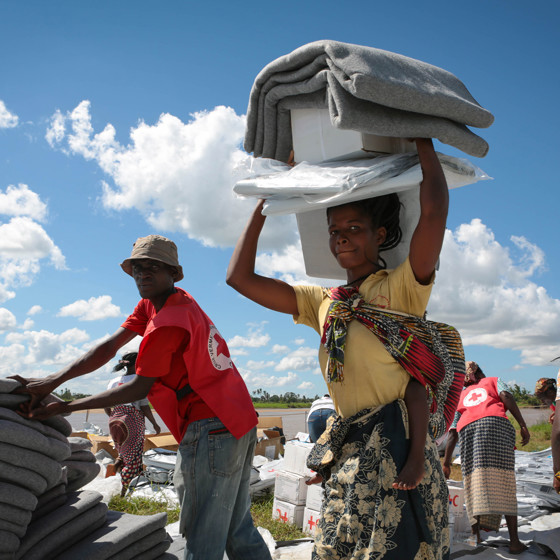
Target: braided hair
384,211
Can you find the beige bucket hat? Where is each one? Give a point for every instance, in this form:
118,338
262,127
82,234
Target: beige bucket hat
157,248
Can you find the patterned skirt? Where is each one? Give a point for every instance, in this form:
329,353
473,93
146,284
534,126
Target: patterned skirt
488,467
363,517
127,428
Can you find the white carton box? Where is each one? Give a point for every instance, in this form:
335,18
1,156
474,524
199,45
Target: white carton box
287,513
290,487
315,139
315,497
456,499
310,518
295,457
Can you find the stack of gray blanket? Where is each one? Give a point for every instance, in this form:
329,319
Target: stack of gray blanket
43,513
365,89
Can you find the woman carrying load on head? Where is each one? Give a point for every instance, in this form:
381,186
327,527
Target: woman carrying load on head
127,426
385,493
487,440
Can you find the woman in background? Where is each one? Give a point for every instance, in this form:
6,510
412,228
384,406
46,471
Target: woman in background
487,440
127,426
545,391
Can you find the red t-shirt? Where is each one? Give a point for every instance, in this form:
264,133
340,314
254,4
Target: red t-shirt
181,338
479,401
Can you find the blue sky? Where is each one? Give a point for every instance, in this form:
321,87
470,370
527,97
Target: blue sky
122,119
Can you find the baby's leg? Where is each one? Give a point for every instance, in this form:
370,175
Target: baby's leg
417,404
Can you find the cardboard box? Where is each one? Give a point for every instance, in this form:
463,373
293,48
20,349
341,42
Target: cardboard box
287,513
315,497
315,139
102,442
295,457
310,518
269,442
164,440
270,422
290,487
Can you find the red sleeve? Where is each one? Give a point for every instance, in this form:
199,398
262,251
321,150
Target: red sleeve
160,350
138,320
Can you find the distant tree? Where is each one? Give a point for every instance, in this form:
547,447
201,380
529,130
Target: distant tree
522,396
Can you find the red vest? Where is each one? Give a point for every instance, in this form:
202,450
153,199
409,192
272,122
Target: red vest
211,373
479,401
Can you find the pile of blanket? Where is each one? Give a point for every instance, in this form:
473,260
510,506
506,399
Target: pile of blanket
43,512
365,89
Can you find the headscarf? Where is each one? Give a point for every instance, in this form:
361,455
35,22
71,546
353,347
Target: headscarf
471,368
545,385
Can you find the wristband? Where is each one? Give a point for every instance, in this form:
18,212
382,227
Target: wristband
557,475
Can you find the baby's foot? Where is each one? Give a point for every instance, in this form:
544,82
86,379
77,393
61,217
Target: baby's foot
410,476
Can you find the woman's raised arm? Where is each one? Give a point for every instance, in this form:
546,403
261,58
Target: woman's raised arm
427,239
241,276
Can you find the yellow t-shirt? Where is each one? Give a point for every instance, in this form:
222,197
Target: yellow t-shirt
372,377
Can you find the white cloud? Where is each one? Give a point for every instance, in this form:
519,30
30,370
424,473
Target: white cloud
302,359
255,339
7,119
305,386
33,310
487,291
23,244
263,380
254,365
7,320
280,349
94,309
178,175
35,353
21,201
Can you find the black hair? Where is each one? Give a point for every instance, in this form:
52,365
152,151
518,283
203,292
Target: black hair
126,361
384,211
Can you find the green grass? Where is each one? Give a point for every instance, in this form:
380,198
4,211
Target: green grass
261,510
140,505
540,436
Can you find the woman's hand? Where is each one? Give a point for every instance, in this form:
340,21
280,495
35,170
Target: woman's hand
317,479
525,435
446,471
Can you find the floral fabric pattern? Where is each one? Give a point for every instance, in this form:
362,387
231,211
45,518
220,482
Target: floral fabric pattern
363,517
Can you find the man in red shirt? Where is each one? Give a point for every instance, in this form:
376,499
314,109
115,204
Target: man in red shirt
185,370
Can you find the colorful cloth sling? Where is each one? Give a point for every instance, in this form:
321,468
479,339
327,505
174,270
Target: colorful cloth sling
430,352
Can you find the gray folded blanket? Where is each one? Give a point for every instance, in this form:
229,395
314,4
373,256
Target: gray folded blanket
29,437
14,495
26,478
121,531
365,89
12,402
23,458
50,500
79,443
82,514
80,473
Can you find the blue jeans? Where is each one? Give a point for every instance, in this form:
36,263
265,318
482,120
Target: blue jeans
317,422
212,478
